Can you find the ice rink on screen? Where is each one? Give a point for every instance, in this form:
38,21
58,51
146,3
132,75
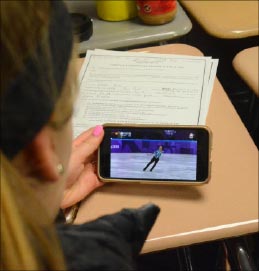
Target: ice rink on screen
170,166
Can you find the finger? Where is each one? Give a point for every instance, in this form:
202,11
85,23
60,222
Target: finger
92,158
76,167
89,146
82,137
94,162
86,183
74,171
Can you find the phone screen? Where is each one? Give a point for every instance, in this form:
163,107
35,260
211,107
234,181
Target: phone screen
167,154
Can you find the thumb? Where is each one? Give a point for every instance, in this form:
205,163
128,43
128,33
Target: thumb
90,144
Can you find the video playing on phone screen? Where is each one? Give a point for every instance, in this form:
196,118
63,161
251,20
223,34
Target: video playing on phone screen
153,154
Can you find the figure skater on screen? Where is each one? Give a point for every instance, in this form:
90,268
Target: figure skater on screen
155,158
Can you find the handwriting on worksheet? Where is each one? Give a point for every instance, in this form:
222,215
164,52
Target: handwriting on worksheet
137,88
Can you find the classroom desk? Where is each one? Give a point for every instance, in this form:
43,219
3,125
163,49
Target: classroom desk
246,65
225,19
227,206
125,34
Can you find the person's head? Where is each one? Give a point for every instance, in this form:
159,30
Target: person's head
38,83
160,148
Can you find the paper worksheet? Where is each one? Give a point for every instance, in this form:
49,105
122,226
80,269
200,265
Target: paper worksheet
127,87
209,76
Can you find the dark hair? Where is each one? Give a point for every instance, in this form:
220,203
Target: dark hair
33,68
34,64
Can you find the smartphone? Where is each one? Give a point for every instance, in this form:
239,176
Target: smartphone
155,154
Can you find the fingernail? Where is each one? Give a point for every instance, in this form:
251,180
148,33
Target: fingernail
97,130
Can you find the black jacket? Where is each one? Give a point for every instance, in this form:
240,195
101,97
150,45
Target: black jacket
111,242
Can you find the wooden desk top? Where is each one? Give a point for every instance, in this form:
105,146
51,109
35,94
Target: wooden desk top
226,206
225,19
246,65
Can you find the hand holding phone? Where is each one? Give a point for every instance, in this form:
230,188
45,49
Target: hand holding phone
155,154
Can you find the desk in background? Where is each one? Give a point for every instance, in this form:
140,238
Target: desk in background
227,206
225,19
221,29
131,33
246,65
